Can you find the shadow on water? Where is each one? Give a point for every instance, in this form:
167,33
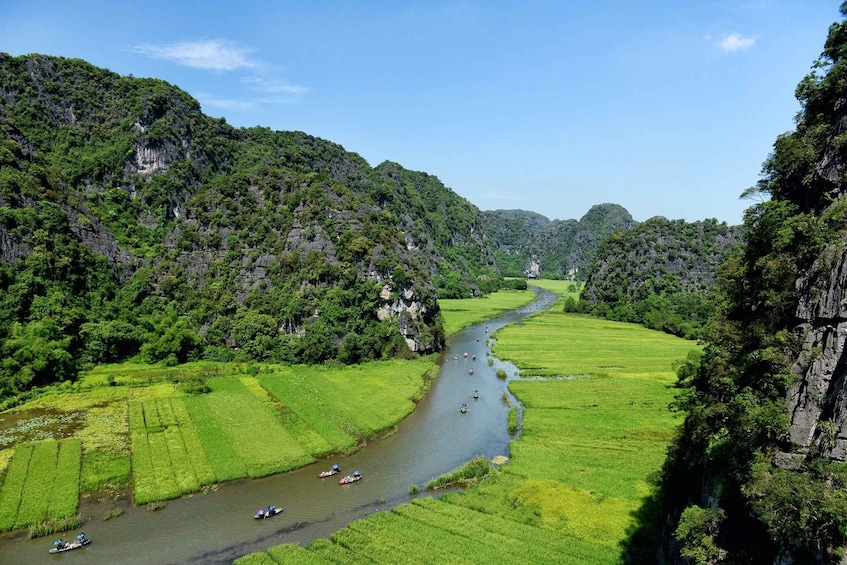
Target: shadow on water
219,526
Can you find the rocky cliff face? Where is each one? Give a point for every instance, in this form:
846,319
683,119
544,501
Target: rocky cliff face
224,222
759,471
529,242
817,400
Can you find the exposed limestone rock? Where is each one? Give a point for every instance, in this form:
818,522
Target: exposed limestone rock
819,394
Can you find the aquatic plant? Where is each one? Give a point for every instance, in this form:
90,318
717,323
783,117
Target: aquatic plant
512,424
473,470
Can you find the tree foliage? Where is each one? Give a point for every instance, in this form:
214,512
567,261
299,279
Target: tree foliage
735,397
132,225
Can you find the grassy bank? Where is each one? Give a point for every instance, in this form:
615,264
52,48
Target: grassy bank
593,431
122,417
461,313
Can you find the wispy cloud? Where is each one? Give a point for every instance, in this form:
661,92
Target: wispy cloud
734,42
211,101
225,55
211,54
275,90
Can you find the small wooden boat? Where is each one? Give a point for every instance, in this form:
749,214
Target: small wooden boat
269,513
59,546
464,408
470,371
334,471
476,394
356,476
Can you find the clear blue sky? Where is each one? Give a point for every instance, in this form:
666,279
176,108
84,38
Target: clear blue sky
667,107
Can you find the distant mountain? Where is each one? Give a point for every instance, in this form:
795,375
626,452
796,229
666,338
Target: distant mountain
529,244
658,273
133,224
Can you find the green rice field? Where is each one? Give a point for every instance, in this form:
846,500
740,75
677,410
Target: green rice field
143,432
461,313
595,425
41,484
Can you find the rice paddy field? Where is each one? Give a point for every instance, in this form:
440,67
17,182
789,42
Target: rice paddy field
461,313
595,426
130,427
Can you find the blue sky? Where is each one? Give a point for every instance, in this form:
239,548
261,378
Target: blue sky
666,107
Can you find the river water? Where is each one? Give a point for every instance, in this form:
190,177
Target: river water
219,527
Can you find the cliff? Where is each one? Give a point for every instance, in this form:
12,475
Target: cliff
146,228
529,244
658,273
758,472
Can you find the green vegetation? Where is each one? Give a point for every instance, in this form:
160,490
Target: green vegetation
224,252
578,473
468,474
179,443
760,362
658,274
564,345
563,248
513,420
41,487
459,314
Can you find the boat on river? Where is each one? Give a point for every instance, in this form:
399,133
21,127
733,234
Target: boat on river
334,471
464,408
60,546
272,510
356,476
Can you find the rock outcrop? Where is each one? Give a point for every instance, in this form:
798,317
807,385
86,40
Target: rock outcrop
817,400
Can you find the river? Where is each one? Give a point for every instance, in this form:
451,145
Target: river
219,527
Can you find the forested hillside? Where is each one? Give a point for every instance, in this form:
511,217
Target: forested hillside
526,243
758,473
658,274
133,224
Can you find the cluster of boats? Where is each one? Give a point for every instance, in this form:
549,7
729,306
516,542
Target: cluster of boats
356,476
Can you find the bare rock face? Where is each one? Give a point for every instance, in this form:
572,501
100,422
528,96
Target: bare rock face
817,401
533,270
411,314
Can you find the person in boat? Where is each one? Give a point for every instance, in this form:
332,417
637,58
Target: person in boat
271,510
476,394
260,513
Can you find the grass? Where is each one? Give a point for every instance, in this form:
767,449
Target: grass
142,431
591,435
469,473
460,313
558,344
513,420
41,487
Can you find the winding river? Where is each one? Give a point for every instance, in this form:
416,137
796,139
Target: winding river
219,527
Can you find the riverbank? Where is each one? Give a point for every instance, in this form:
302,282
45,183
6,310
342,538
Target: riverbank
138,418
594,430
218,527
